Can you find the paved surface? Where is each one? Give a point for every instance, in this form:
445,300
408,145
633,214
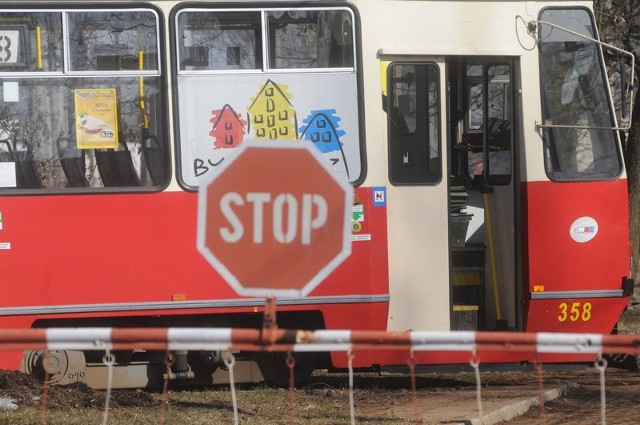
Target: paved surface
498,405
582,405
569,397
498,402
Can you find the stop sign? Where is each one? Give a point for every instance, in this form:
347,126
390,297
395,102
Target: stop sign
274,219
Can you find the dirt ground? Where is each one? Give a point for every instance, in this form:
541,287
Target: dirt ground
27,389
439,398
582,405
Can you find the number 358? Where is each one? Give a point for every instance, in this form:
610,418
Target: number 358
574,312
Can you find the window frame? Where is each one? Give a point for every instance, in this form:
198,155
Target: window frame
66,72
265,70
547,133
266,66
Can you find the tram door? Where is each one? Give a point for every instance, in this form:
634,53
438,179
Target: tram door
416,193
451,214
482,213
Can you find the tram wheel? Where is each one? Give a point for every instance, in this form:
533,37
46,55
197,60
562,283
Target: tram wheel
275,367
55,367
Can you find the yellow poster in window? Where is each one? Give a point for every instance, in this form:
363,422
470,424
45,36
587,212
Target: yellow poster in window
96,118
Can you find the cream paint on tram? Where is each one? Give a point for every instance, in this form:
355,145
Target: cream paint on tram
417,216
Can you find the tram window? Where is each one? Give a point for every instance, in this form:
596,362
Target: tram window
112,41
414,124
310,39
64,129
220,40
297,39
23,35
574,95
262,74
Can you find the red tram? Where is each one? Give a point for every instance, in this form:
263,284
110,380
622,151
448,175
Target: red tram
480,137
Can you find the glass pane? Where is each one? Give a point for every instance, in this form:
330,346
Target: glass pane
310,39
575,94
42,129
112,41
402,118
31,42
499,122
413,120
476,106
219,40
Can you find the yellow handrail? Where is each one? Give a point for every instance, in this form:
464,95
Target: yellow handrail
39,47
492,258
142,105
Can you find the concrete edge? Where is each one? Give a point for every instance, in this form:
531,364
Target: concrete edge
509,412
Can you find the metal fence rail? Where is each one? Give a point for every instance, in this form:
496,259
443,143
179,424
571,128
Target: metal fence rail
275,339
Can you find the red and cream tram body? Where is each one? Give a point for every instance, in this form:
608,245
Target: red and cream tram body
480,138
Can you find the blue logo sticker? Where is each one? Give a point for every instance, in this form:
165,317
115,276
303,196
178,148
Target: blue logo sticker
379,196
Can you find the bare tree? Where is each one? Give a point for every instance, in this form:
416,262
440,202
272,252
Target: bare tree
619,24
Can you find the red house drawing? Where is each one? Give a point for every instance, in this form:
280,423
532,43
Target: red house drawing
228,128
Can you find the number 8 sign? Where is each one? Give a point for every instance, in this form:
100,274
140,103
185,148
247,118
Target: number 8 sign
9,44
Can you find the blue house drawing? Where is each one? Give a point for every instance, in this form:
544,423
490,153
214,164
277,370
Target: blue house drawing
322,128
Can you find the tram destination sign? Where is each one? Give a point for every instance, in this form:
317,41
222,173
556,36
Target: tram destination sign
274,220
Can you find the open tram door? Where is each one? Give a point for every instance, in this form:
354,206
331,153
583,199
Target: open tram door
451,198
482,192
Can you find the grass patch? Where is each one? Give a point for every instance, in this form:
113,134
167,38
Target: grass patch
629,322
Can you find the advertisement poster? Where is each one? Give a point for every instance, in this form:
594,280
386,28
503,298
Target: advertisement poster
96,118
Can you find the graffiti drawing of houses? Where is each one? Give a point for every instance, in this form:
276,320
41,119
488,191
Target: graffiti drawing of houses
271,115
323,129
228,128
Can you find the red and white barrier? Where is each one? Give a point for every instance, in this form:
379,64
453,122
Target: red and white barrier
227,339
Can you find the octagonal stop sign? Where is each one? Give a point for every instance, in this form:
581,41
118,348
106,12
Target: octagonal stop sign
274,219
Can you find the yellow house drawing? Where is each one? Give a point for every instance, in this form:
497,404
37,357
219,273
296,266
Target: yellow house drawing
271,115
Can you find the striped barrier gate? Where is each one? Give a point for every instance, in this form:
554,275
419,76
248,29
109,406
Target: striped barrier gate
228,340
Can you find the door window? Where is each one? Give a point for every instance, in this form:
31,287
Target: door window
488,134
414,124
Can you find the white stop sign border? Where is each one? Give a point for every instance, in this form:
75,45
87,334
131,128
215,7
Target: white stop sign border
222,269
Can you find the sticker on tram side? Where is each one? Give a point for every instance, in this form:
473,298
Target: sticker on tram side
8,174
357,223
379,196
583,229
357,212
